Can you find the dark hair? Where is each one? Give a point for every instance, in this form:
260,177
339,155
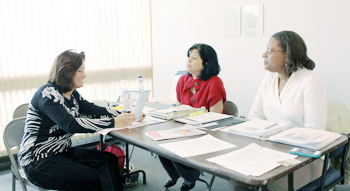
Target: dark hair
210,60
64,68
295,48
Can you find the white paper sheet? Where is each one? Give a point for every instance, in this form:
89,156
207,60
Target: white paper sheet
140,103
146,109
252,160
197,146
149,120
184,131
203,118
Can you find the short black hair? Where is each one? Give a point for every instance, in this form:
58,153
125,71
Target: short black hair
295,48
64,68
210,60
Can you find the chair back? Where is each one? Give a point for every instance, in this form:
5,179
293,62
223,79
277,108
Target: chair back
231,108
172,93
12,137
332,176
21,111
13,133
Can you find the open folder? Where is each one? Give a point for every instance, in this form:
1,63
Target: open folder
305,137
210,120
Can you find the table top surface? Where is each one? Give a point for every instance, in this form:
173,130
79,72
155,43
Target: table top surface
138,138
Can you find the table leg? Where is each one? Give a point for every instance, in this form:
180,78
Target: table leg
290,182
211,183
263,188
128,174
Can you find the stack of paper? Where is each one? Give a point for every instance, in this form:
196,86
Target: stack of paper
305,137
260,129
204,118
177,112
252,160
184,131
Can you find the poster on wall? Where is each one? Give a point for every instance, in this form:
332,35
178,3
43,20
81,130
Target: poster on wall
253,18
232,21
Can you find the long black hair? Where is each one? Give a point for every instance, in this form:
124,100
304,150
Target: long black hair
210,60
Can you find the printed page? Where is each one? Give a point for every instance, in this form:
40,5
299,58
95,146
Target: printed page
203,118
140,103
252,160
174,109
147,121
183,131
197,146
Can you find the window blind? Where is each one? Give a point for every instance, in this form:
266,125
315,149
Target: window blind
114,34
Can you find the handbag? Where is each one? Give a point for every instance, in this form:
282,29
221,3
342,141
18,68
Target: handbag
117,151
134,176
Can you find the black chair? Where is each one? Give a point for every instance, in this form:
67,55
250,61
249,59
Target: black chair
332,176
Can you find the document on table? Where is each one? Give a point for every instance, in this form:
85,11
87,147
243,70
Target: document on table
203,118
184,131
252,160
141,101
197,146
147,121
306,137
147,110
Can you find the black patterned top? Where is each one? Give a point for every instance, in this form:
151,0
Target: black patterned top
53,119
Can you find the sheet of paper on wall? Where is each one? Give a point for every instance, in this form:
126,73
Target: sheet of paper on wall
252,160
197,146
305,137
141,101
149,120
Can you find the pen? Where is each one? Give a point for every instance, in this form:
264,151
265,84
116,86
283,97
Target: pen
270,126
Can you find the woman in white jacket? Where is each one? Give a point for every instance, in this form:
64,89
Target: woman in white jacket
291,93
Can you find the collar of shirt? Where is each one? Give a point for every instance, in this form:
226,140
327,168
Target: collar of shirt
193,83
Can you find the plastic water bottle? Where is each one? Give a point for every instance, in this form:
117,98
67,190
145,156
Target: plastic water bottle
124,90
140,84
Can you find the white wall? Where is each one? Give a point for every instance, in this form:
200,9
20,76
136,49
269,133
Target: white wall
323,24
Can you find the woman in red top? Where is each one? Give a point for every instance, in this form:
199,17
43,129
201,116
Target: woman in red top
199,87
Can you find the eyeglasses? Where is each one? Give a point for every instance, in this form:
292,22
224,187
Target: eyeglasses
269,51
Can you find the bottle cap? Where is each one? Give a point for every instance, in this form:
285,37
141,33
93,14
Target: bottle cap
140,76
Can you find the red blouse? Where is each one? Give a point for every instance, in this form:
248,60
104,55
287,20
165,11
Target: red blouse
208,93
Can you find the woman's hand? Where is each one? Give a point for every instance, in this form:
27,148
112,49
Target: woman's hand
124,119
142,117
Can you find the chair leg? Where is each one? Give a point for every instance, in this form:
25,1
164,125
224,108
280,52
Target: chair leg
13,182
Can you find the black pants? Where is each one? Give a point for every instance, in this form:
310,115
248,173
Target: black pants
79,169
176,170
